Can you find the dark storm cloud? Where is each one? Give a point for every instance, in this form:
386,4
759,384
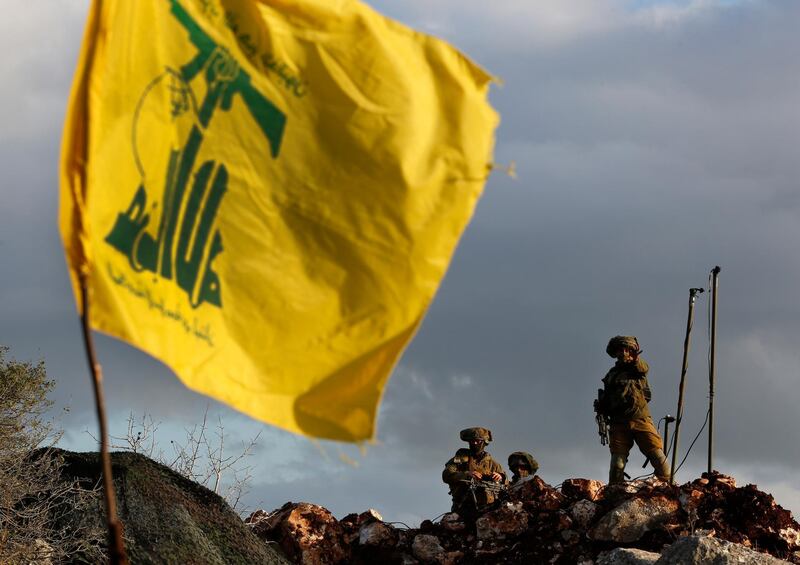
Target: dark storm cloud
650,146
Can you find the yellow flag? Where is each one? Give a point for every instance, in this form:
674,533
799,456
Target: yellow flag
265,195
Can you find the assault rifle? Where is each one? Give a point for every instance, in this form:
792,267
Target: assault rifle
600,417
491,486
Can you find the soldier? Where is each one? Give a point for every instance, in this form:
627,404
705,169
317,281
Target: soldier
624,401
522,464
468,466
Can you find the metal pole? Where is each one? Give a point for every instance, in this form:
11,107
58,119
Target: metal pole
693,292
711,365
667,420
116,546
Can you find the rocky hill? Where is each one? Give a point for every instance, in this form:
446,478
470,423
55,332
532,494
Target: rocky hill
584,522
169,519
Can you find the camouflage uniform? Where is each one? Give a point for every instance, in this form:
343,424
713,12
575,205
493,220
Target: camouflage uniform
626,394
458,473
517,460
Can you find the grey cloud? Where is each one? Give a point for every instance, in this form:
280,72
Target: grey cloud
646,154
40,43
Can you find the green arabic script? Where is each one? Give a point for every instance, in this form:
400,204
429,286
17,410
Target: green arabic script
194,327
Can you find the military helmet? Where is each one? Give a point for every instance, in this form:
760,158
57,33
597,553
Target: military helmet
619,341
476,433
518,457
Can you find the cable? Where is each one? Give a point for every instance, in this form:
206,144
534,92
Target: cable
708,413
642,487
672,438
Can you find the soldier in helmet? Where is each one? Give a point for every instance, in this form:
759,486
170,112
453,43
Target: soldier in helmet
624,399
522,464
473,464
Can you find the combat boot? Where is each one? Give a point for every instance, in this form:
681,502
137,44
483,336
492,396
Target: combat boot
660,466
616,472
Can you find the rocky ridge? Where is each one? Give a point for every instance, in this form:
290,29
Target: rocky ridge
709,520
167,518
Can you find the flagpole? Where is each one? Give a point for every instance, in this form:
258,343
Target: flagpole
116,546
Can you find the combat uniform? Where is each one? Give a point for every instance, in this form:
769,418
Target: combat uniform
518,459
625,398
458,474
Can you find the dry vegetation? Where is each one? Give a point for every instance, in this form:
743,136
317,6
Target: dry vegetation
203,457
33,500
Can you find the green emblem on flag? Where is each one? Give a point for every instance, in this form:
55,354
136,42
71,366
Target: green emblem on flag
187,243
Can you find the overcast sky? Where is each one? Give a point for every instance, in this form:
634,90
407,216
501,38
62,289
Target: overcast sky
652,141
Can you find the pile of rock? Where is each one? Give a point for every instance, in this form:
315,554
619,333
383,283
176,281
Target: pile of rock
582,522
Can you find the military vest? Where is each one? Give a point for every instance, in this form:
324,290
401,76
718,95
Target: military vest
457,473
627,391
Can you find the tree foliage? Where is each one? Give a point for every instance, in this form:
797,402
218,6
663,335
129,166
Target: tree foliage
33,499
46,516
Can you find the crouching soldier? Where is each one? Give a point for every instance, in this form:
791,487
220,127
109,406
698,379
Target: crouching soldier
623,401
522,464
474,477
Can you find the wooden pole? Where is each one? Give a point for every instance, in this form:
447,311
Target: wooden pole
116,546
693,292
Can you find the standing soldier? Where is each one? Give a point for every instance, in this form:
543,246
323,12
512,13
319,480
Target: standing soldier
474,477
522,464
623,401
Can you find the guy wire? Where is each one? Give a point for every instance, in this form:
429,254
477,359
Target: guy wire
694,440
